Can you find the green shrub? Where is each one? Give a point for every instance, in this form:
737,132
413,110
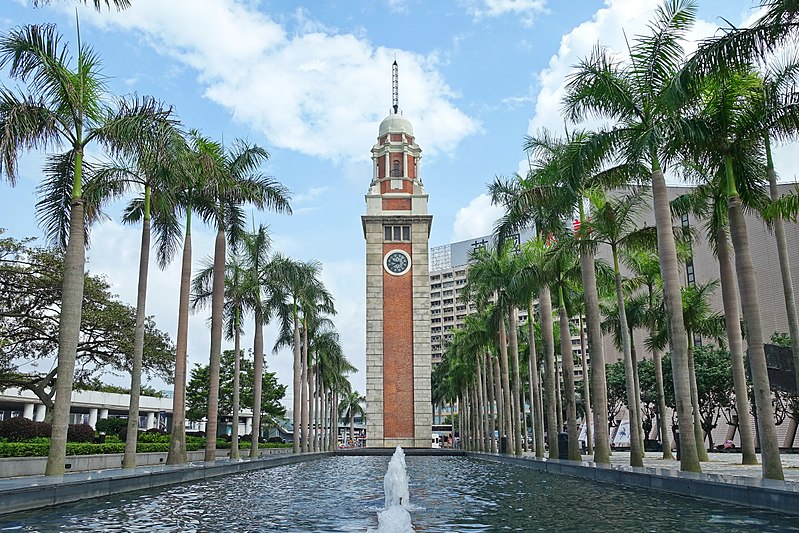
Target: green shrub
80,433
123,434
153,437
23,449
19,429
111,426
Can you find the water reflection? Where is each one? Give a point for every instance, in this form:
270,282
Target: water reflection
344,494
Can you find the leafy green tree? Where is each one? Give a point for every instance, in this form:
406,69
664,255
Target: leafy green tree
351,406
199,385
30,302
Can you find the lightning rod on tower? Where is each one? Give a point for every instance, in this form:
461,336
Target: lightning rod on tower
395,87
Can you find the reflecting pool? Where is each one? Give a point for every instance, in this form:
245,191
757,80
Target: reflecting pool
447,494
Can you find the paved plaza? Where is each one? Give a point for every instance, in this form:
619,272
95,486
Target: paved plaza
720,463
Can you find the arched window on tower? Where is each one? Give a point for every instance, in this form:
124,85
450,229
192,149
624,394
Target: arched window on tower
396,169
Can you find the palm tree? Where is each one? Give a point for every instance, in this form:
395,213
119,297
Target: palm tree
561,273
305,295
258,288
199,165
645,268
642,98
350,407
238,290
614,223
488,278
64,104
240,182
157,170
728,111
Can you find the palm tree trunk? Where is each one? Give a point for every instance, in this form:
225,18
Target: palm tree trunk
257,390
699,434
657,358
492,422
785,265
234,431
595,348
536,406
325,443
68,331
669,270
638,404
636,453
129,458
568,380
312,409
589,436
297,394
665,440
352,426
481,428
304,393
517,388
545,306
217,304
500,404
177,440
559,394
507,405
769,446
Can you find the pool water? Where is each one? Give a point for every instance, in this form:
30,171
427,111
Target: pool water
447,494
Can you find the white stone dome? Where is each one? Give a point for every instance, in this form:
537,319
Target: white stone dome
395,123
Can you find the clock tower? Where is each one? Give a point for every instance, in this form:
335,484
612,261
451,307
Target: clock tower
396,228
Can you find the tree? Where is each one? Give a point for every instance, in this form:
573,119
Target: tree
489,279
30,301
350,407
643,100
303,295
237,181
64,104
614,223
728,117
199,386
155,167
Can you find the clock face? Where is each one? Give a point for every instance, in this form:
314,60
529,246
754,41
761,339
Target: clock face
397,262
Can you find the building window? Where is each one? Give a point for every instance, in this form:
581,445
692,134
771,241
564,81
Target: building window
397,233
396,169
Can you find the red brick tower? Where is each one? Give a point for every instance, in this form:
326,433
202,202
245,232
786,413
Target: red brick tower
396,228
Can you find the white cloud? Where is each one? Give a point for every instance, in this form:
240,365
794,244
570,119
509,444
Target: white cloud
310,194
318,92
476,219
526,10
397,6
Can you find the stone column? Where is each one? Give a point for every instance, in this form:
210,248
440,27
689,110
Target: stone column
103,413
27,411
93,417
150,420
247,425
41,411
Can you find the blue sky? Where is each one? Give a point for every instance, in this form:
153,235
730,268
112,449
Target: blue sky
311,82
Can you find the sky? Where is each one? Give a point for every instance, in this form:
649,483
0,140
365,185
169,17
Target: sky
310,82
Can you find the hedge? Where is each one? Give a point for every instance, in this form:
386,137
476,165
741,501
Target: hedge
26,449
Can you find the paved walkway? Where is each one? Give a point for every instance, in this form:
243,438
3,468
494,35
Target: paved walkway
720,463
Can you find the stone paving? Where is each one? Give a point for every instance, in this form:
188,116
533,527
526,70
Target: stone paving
720,463
728,463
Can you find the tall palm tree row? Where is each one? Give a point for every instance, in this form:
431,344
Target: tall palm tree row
66,103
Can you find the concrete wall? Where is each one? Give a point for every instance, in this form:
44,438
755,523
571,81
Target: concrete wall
745,492
34,466
48,491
